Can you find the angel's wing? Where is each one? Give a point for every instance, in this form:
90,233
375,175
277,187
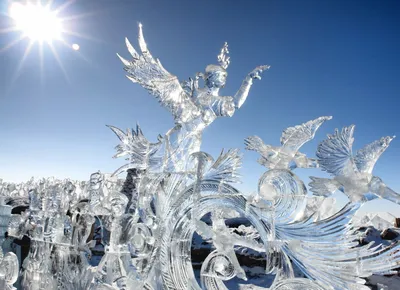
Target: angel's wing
335,153
366,157
151,75
295,137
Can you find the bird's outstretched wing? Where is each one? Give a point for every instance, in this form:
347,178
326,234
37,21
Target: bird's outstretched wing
323,186
151,75
255,143
295,137
335,153
366,157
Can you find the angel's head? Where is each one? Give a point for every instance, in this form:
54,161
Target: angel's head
215,75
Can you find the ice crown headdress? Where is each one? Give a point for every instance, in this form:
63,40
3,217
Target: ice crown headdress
223,58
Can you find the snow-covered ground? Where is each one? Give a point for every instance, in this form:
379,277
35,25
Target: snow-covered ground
379,220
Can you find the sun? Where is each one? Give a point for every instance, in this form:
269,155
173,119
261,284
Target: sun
36,22
45,25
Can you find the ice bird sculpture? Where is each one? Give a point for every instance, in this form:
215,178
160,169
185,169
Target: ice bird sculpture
351,174
288,155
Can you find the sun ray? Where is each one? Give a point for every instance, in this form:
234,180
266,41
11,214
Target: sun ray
19,67
11,44
21,62
84,36
60,64
63,6
80,55
41,63
79,16
43,23
8,29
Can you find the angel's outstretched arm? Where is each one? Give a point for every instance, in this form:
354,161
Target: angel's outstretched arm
241,95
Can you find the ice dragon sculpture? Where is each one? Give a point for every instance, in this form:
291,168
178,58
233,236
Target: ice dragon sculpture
179,192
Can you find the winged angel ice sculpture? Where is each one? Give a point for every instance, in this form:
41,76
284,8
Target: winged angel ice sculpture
177,186
193,108
178,191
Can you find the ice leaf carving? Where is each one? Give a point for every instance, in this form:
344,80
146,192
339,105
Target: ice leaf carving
142,154
226,167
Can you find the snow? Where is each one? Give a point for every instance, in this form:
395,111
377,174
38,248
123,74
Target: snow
379,220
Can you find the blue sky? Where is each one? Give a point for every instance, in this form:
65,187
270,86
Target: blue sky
338,58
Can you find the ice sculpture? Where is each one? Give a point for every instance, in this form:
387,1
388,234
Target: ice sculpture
292,139
9,268
173,190
192,108
352,175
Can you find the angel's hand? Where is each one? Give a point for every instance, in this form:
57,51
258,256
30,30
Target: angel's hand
255,74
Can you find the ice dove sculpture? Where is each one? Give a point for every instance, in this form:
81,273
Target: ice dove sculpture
351,174
287,156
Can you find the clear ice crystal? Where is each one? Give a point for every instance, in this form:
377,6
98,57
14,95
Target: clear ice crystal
173,192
